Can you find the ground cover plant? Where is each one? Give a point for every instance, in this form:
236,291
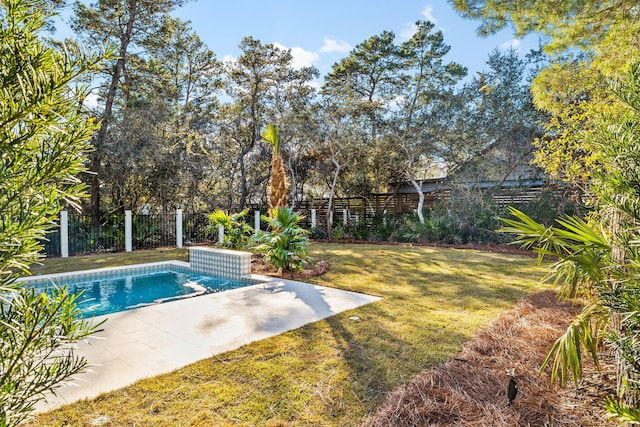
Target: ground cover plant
336,371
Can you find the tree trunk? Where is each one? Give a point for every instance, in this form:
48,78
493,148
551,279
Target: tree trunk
418,186
101,136
243,184
332,194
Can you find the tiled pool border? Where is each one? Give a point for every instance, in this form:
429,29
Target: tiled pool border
109,272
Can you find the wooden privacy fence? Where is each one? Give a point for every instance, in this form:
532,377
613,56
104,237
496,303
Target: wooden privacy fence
351,210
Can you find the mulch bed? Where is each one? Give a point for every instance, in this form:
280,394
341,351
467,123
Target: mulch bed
259,266
471,388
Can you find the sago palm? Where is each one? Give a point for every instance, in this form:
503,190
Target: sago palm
278,182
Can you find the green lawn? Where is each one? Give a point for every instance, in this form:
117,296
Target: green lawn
333,372
87,262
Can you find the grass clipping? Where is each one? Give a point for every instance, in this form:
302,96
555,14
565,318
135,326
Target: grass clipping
471,389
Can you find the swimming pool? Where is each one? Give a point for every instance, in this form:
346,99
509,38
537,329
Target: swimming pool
107,291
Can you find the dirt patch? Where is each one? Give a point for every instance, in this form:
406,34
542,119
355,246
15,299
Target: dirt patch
471,388
311,269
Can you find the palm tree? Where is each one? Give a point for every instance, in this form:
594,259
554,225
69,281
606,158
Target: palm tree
278,181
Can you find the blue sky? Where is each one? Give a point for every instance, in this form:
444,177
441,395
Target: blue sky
320,33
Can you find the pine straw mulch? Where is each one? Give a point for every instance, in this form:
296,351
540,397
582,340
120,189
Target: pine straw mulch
471,388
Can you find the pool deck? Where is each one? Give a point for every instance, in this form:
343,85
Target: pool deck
152,340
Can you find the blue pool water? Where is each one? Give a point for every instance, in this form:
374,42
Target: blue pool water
126,292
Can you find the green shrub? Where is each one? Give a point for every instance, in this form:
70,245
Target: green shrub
285,245
237,233
546,208
317,233
468,217
338,232
382,226
409,228
359,231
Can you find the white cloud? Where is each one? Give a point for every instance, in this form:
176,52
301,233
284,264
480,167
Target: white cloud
316,84
410,28
511,44
301,57
229,59
92,100
427,12
339,46
408,31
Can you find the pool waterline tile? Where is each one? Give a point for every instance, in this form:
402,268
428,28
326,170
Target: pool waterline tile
132,274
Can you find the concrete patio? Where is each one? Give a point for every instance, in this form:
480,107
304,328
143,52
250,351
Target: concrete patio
158,339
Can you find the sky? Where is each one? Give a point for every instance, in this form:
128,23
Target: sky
320,33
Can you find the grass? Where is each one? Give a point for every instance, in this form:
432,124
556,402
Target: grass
88,262
333,372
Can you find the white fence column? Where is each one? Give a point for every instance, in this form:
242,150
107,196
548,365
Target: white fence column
314,223
345,216
128,231
64,234
257,222
179,228
220,234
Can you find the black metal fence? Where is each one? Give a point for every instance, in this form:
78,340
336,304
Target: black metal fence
194,229
90,234
51,246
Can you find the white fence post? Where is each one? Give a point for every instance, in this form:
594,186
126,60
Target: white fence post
257,222
179,228
64,234
345,216
314,223
128,232
220,234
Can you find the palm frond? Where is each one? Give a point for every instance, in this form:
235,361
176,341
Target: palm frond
272,135
622,413
576,230
584,334
535,236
